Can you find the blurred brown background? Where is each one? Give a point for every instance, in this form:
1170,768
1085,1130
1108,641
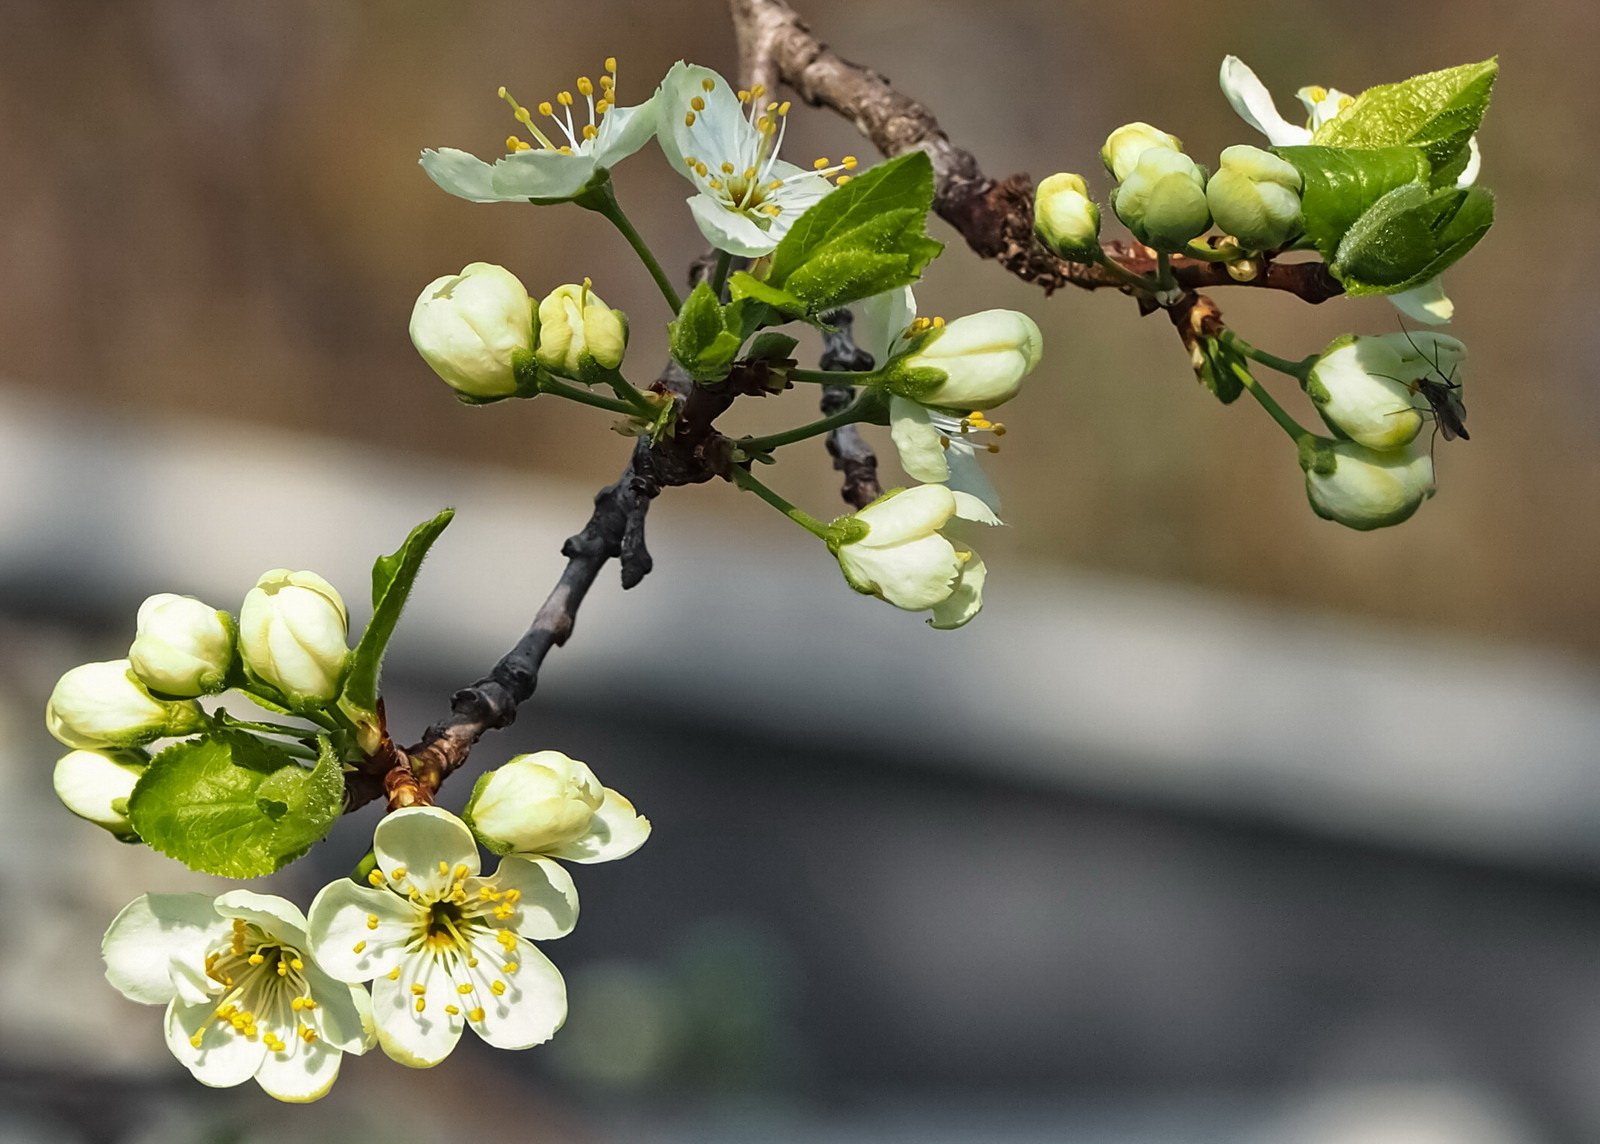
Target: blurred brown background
1223,824
217,207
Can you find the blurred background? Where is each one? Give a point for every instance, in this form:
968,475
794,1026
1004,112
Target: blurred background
1222,824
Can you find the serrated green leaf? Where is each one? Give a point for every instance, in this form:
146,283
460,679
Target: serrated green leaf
1340,185
232,804
746,286
1411,235
700,340
871,231
1438,112
773,346
392,580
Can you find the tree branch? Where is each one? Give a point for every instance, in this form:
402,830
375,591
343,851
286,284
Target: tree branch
995,217
851,454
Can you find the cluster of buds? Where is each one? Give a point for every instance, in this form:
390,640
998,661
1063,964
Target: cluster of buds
1378,469
478,329
288,647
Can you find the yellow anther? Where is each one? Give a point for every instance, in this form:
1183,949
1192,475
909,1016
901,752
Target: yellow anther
296,964
749,173
307,1003
251,1032
417,989
546,109
375,877
307,1034
372,921
842,180
195,1040
463,989
476,1014
498,988
394,974
744,96
715,184
611,65
513,145
507,939
708,85
767,126
255,959
472,963
398,873
728,168
602,106
783,108
1316,93
462,871
758,91
564,98
702,170
565,150
444,868
848,162
697,103
772,209
422,1003
819,164
511,967
938,323
585,85
590,131
452,1010
773,106
297,1003
775,184
688,119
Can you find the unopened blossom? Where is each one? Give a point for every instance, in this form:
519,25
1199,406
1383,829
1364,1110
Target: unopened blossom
467,327
244,997
1125,146
579,335
567,153
1163,199
445,948
95,785
1366,387
182,646
726,143
1364,488
895,549
548,804
1066,219
1254,196
293,635
106,705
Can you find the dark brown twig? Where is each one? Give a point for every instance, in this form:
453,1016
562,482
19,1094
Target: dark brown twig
851,454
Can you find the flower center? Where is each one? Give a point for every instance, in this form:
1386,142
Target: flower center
577,135
265,994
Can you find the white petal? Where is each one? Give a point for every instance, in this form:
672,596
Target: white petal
919,444
969,507
550,176
623,130
730,230
225,1057
1426,303
416,1040
881,319
271,914
463,175
719,133
904,516
1469,173
548,904
301,1073
340,922
531,1008
190,981
343,1016
148,935
1250,98
968,481
967,599
615,831
416,840
915,575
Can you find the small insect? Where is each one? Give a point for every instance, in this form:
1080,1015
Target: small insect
1442,393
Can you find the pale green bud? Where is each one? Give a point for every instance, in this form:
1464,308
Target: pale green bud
105,705
1126,144
95,785
1364,386
182,646
1255,197
579,337
468,325
293,632
1163,200
1366,488
1066,219
976,362
534,804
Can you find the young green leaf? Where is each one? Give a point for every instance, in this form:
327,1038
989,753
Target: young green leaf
1340,185
1411,235
745,286
861,239
1222,369
1438,112
392,580
700,339
232,804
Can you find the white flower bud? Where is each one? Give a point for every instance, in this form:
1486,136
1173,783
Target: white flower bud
1066,219
579,337
1124,146
1163,199
182,646
105,705
1366,488
534,803
95,785
1255,197
983,358
1362,386
293,630
893,549
468,325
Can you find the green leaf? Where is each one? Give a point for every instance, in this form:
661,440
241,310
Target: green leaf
232,804
392,579
1411,235
1339,185
1222,369
745,286
1438,112
861,239
700,339
773,346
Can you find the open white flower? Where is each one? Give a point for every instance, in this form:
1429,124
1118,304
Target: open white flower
444,948
895,550
727,144
1251,99
548,804
562,161
244,997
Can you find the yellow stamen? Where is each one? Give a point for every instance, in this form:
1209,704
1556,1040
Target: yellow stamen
708,85
255,959
546,109
394,974
842,180
590,131
463,989
498,988
513,145
697,103
564,98
452,1010
372,921
510,967
476,1014
307,1034
418,990
819,164
585,85
688,119
398,874
422,1003
758,91
375,877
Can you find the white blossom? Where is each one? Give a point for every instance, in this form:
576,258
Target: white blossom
548,804
293,633
105,705
467,326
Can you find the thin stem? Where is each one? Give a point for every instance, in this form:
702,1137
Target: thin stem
719,276
1164,277
603,200
584,397
849,415
1229,253
832,376
805,520
630,393
1296,369
1120,272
